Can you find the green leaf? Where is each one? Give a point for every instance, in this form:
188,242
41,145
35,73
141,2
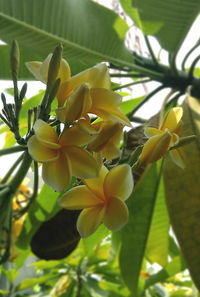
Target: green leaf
89,32
169,21
175,266
93,240
42,209
31,282
135,233
92,286
182,191
158,240
128,105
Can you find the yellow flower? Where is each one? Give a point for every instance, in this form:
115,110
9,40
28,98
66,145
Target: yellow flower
102,200
99,101
94,77
163,138
61,156
108,139
40,69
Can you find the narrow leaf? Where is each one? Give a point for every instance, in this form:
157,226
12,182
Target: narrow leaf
182,191
135,233
158,240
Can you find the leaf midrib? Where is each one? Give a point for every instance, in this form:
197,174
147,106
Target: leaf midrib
67,42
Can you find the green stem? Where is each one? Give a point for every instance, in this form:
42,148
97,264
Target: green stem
21,173
150,50
35,191
5,121
12,149
130,115
132,84
10,171
192,67
188,54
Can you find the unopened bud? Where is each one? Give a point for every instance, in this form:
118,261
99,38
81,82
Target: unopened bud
14,59
54,65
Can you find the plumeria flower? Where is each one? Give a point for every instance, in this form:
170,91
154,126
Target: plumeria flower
95,77
108,139
99,101
62,156
102,200
161,140
40,69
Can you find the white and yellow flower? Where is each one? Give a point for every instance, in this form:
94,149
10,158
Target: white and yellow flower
162,139
62,156
99,101
102,200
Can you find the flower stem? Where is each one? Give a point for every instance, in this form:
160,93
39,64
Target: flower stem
12,149
130,115
132,84
10,171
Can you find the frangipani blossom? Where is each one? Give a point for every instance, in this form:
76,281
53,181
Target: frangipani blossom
40,69
94,77
108,139
102,200
99,101
62,156
162,139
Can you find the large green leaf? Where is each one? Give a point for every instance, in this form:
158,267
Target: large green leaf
158,240
135,233
90,33
169,21
183,193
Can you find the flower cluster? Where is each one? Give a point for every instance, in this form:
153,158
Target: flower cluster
82,145
93,128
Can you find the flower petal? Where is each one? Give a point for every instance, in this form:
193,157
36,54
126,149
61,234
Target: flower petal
150,131
119,182
79,134
111,132
64,72
39,152
178,157
77,105
172,119
84,165
116,214
44,68
34,67
155,148
89,220
111,151
96,76
96,184
106,104
57,174
46,134
78,198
